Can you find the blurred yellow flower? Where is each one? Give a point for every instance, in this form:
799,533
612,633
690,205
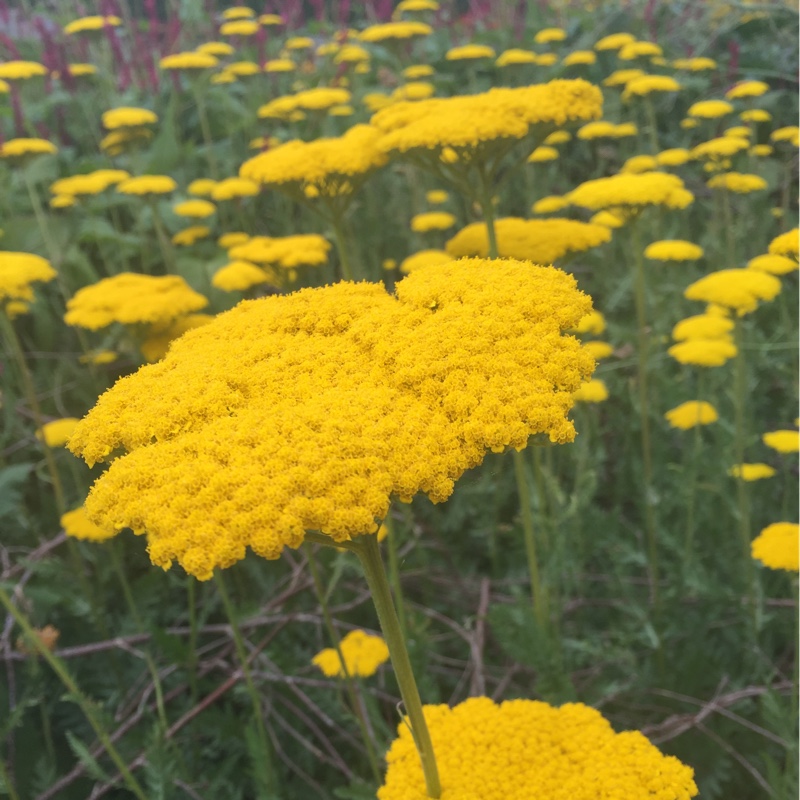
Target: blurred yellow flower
161,335
16,148
57,432
622,77
646,84
127,117
549,204
94,23
593,391
417,71
288,252
362,652
751,472
592,322
673,250
239,27
238,12
201,187
737,289
215,49
787,244
414,90
515,56
632,192
598,350
673,157
614,41
238,276
710,109
697,64
547,35
755,115
280,65
773,264
703,352
776,546
579,57
469,52
188,236
81,70
690,414
395,30
194,208
605,218
737,182
147,184
424,258
747,89
76,524
436,196
787,441
21,70
639,49
636,165
791,133
432,221
270,19
232,239
229,188
18,271
703,326
198,59
543,153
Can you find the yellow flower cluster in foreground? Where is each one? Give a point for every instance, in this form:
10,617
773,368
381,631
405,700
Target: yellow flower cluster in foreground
308,411
362,654
777,546
542,241
132,299
523,749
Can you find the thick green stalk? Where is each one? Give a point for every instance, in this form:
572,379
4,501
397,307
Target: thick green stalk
394,573
163,240
652,124
333,635
7,782
644,408
366,548
730,232
205,128
341,248
84,703
241,653
487,207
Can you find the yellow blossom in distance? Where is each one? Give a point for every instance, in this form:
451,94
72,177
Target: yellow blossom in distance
550,204
147,184
160,335
636,165
690,414
593,391
424,258
93,23
198,59
598,350
288,252
215,49
514,57
579,58
710,109
786,244
417,71
188,236
697,64
639,49
202,187
547,35
238,12
737,182
238,276
622,77
18,271
614,41
543,154
76,524
605,218
230,188
523,749
773,264
776,546
673,250
16,148
674,157
21,70
57,432
232,239
194,208
469,52
751,472
646,84
127,117
592,322
131,299
557,137
632,192
270,19
703,326
432,221
437,196
542,241
395,30
703,352
791,134
747,89
786,441
365,395
362,652
280,65
239,27
737,289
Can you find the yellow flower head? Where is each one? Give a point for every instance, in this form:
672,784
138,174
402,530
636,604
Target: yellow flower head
288,252
471,125
299,43
547,35
738,289
76,524
147,184
414,90
232,239
602,129
579,58
614,41
690,414
550,204
514,57
542,241
94,23
593,391
417,71
362,652
720,148
636,165
202,187
280,65
547,59
637,49
188,236
91,183
57,432
432,221
270,19
21,70
363,395
673,157
773,264
787,244
647,84
238,12
215,49
81,70
194,208
239,27
417,5
198,59
751,472
598,350
527,749
632,192
132,299
710,109
395,30
747,89
424,258
703,352
437,196
62,201
469,52
542,154
622,77
697,64
229,188
127,117
333,167
761,150
787,441
351,54
791,134
239,276
18,271
592,322
703,326
737,182
17,148
607,219
557,137
673,250
776,546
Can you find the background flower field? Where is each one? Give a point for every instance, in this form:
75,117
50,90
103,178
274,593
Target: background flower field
647,569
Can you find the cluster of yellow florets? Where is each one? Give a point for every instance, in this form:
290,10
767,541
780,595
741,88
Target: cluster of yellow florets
362,654
308,411
632,192
18,271
288,252
521,749
736,289
318,99
542,241
777,546
132,299
673,250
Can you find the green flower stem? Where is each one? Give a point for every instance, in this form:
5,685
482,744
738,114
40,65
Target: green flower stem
730,233
164,243
485,202
7,781
541,490
366,548
394,573
333,635
205,128
192,608
341,247
644,409
241,653
740,438
529,535
688,542
652,125
84,703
